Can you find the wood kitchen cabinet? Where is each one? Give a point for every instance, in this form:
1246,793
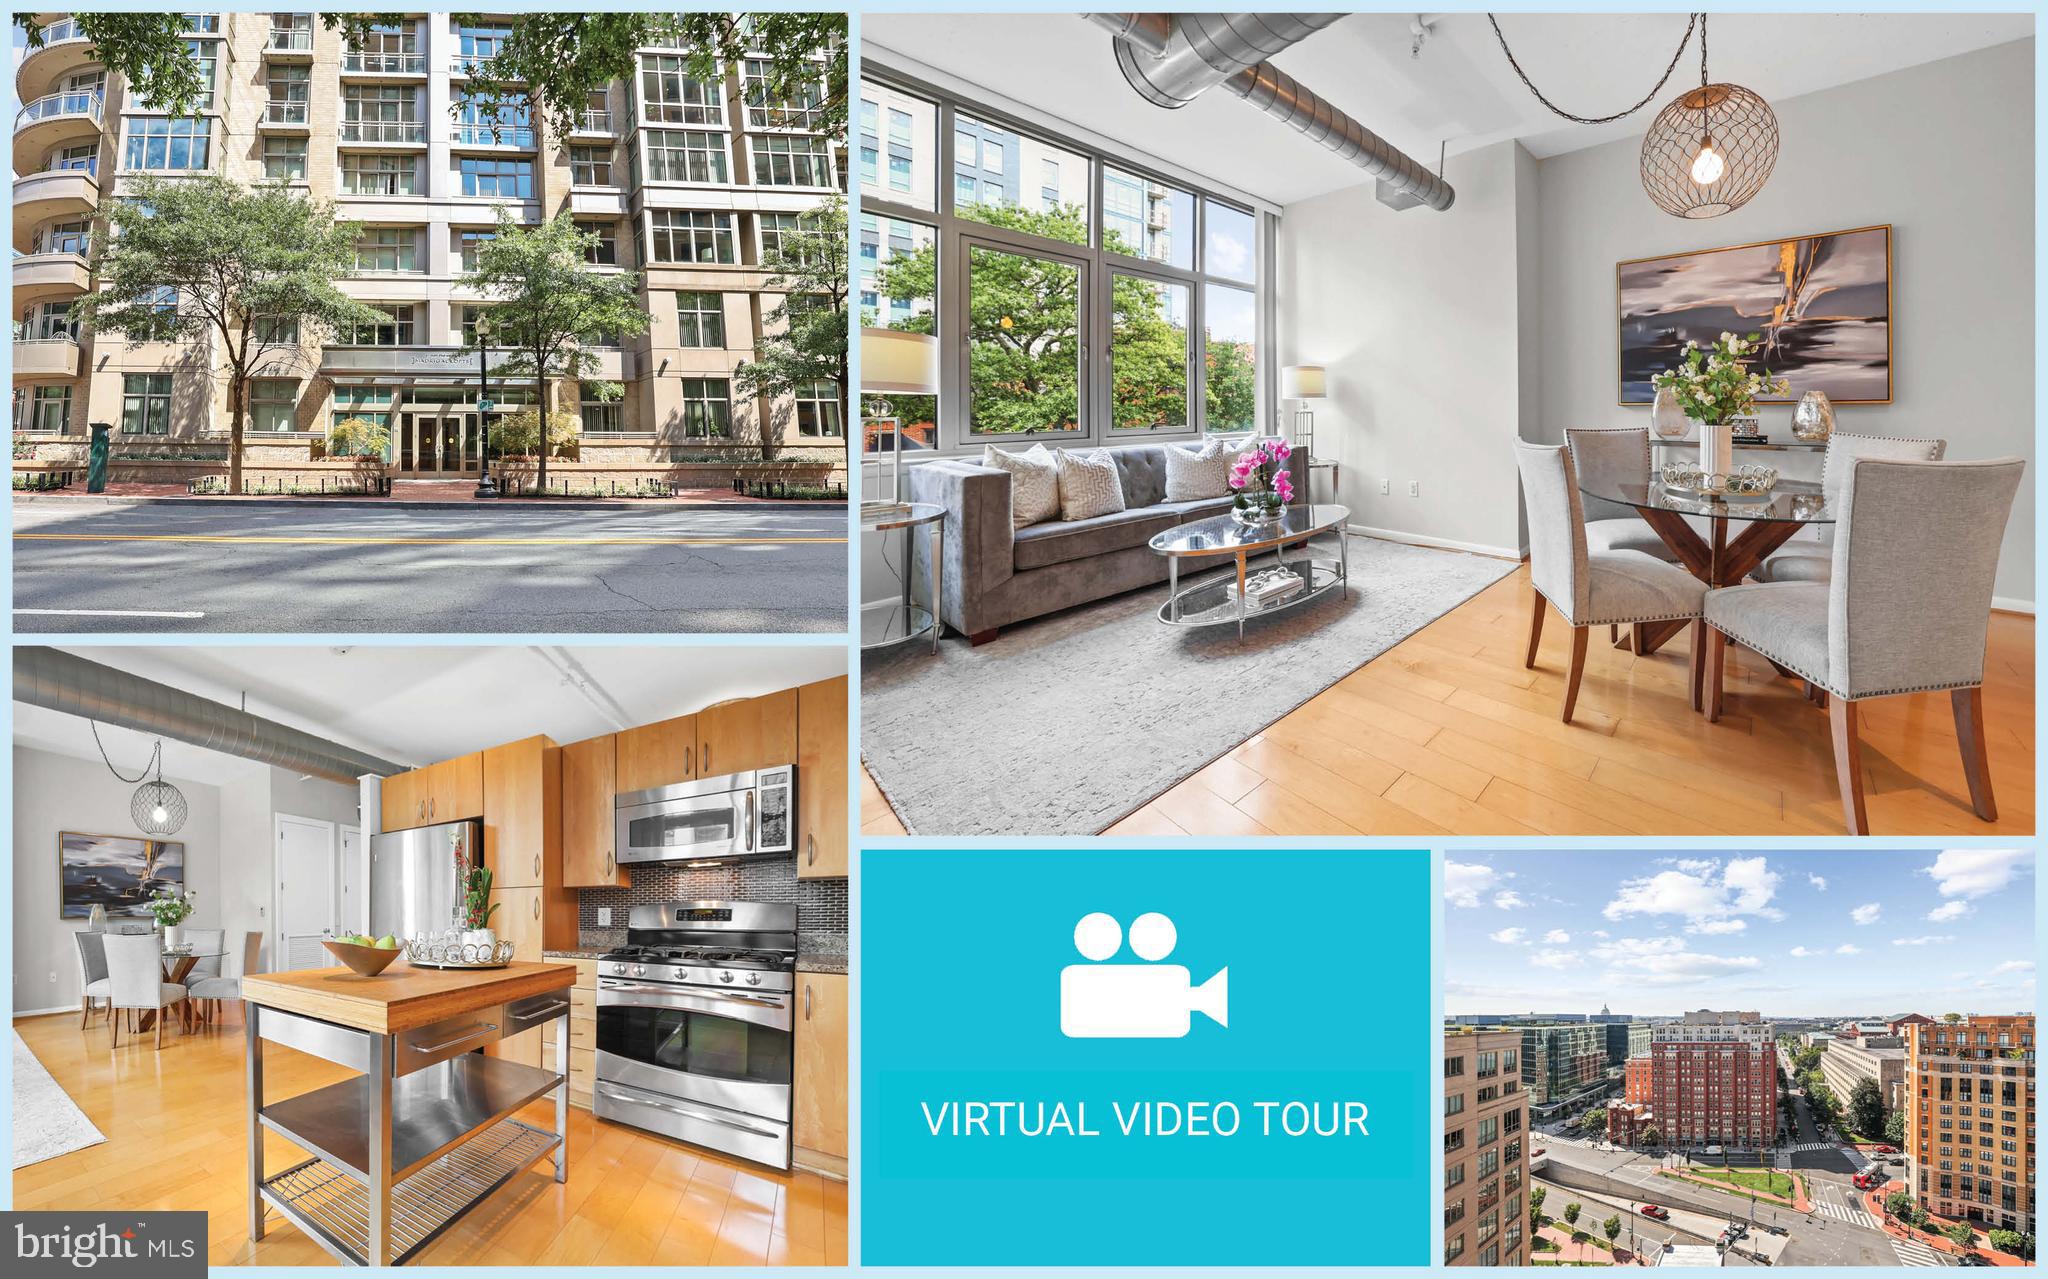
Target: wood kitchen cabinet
445,792
821,780
582,1029
658,754
534,920
820,1107
589,789
748,733
522,785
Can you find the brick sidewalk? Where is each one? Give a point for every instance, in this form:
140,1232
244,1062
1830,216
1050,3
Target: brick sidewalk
436,491
1873,1202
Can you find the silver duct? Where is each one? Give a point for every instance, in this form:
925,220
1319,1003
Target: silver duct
60,681
1172,59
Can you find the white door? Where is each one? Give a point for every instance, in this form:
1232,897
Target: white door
355,907
305,891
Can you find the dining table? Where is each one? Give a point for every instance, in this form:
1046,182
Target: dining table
1740,533
178,965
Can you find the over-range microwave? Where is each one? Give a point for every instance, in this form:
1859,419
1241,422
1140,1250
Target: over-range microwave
713,820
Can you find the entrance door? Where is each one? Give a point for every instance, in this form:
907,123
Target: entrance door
305,891
443,443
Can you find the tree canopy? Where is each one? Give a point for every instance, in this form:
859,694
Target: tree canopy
1866,1107
805,342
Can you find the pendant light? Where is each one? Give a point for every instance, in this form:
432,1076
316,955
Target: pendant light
156,807
1711,150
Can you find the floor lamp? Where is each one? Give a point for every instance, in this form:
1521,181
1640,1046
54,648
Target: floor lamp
892,363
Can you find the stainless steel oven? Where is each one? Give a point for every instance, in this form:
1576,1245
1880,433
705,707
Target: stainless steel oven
713,820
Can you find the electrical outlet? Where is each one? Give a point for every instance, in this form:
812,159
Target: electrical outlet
604,917
1386,485
1415,488
53,977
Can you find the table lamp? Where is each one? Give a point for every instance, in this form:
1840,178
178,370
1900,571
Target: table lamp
893,362
1302,383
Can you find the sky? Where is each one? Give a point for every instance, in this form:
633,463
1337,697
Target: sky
1789,934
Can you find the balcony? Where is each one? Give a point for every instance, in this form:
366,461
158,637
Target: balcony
358,63
42,277
592,123
53,120
383,132
289,44
286,117
53,193
516,137
65,50
46,358
467,65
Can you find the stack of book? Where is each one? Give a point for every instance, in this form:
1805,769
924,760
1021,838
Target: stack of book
1267,586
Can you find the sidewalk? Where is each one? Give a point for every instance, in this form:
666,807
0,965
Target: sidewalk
431,494
1561,1235
1873,1202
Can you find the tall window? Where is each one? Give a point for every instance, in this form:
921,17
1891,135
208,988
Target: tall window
290,90
366,173
284,159
707,408
504,179
205,55
818,412
468,242
605,252
155,142
791,161
700,319
479,44
370,403
775,227
49,410
273,403
395,329
590,166
685,156
499,122
601,417
380,113
1148,354
672,97
389,49
798,110
292,32
146,404
1230,357
1023,343
386,249
692,237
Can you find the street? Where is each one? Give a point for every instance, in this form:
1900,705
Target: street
263,568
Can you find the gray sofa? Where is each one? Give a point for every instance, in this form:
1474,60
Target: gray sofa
997,575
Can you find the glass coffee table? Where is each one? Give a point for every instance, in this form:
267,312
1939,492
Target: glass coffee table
1223,599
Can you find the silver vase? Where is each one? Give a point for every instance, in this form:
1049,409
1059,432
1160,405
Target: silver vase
1814,419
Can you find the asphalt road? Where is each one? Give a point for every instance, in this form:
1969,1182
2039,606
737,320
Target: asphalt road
97,567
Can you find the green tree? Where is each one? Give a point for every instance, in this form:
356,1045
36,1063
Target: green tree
1866,1107
806,342
1895,1128
1611,1227
1899,1204
1959,1233
1804,1061
1231,392
1594,1120
1951,1018
202,259
519,433
1536,1196
547,306
2013,1242
1651,1137
1571,1214
1827,1112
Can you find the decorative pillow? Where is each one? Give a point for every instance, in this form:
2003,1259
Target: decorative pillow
1034,483
1089,484
1199,472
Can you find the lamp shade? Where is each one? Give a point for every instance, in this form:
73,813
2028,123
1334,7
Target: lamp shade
1302,382
902,363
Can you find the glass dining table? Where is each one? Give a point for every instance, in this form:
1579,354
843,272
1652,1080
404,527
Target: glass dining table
178,965
1740,533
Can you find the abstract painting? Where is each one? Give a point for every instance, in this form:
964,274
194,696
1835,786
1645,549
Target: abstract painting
1823,304
119,872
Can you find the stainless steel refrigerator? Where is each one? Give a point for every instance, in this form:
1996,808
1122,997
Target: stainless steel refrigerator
415,878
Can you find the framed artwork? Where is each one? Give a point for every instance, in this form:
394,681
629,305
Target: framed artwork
1823,304
119,872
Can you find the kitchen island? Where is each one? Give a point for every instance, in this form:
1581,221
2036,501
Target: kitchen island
424,1131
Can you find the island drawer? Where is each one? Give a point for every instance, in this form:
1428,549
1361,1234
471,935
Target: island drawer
424,1046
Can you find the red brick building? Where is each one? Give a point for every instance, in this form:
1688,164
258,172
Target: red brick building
1714,1081
1639,1079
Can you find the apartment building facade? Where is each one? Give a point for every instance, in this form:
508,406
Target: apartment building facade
1879,1058
1561,1062
688,183
1486,1155
1626,1039
1970,1119
1714,1081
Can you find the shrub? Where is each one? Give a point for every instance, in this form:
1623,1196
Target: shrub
518,434
358,437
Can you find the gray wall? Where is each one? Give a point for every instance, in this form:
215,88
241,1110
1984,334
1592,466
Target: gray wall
1944,152
55,793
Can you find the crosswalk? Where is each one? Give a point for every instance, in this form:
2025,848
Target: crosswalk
1853,1214
1911,1252
1804,1146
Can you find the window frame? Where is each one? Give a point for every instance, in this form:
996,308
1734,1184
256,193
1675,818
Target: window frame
259,402
147,400
704,398
695,328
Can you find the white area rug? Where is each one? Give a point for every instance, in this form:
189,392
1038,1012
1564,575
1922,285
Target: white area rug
47,1123
1063,725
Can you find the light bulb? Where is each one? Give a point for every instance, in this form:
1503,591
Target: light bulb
159,814
1707,165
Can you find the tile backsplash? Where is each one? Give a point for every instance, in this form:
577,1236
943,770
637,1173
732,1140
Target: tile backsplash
821,903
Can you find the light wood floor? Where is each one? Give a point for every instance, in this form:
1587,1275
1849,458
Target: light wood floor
1448,733
175,1140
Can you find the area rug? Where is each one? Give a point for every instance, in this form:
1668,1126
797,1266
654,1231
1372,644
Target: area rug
1063,725
47,1123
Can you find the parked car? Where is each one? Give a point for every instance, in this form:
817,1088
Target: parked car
1737,1229
1897,1161
1971,1259
1711,1150
1868,1180
1887,1150
1655,1213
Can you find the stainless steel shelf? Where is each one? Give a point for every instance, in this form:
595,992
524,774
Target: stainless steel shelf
332,1205
432,1110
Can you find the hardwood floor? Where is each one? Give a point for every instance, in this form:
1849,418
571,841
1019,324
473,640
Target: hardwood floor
1448,733
175,1140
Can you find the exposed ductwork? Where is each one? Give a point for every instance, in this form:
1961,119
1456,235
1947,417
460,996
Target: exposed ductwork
60,681
1172,59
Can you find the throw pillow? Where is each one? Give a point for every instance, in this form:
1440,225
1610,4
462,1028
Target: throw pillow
1034,483
1089,484
1198,472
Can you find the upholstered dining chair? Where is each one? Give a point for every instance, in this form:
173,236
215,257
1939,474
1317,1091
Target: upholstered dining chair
211,990
135,969
1809,555
1905,608
1605,459
203,940
92,962
1592,588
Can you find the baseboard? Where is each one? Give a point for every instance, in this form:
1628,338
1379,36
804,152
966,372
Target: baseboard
20,1013
817,1161
2005,604
1440,543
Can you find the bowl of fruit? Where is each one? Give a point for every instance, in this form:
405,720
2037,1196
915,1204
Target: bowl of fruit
366,956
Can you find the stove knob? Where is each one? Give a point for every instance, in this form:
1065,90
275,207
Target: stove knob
639,970
725,976
753,979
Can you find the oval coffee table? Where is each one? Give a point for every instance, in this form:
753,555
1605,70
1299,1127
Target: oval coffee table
1221,600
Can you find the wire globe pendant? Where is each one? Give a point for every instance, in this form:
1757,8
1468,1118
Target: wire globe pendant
158,808
1710,151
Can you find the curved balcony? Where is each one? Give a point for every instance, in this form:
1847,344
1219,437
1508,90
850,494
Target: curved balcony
40,277
65,50
53,120
45,359
52,194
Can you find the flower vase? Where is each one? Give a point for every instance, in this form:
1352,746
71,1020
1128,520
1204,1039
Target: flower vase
1717,449
174,936
1667,418
1258,508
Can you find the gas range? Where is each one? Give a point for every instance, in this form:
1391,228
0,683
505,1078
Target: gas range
753,969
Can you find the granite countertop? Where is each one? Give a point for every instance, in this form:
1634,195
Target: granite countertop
821,963
589,952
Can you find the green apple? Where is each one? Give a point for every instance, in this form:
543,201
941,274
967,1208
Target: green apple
387,942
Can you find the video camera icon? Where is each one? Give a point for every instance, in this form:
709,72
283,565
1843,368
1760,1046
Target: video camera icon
1149,1000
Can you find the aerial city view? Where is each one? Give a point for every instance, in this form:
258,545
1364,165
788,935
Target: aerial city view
1808,1059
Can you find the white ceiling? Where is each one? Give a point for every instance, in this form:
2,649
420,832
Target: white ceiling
1460,90
415,705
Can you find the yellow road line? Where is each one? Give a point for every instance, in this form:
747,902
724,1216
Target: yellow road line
432,541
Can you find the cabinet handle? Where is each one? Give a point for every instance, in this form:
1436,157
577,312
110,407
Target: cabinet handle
536,908
707,757
811,848
611,864
807,1001
536,867
689,760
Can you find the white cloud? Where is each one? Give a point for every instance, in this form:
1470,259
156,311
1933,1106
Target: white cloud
1556,959
1929,940
1717,927
1820,885
1601,933
1509,900
1701,891
1466,882
1557,937
1947,911
1666,961
1867,913
2013,966
1801,952
1975,872
1509,936
1848,948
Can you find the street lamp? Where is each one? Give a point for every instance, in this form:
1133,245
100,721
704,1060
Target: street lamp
484,486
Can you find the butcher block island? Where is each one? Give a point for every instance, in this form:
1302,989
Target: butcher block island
424,1130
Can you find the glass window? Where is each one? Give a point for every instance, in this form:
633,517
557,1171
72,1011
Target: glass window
205,59
278,329
1146,218
385,249
774,226
467,243
389,48
1064,216
1230,358
505,121
395,329
505,179
1148,355
799,110
590,166
160,143
466,316
898,276
479,44
292,32
146,403
49,410
1229,242
707,408
670,96
692,237
899,174
791,161
685,156
992,155
364,173
606,251
284,159
85,156
870,165
601,417
273,404
1023,343
818,413
65,237
290,88
370,403
380,113
700,319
